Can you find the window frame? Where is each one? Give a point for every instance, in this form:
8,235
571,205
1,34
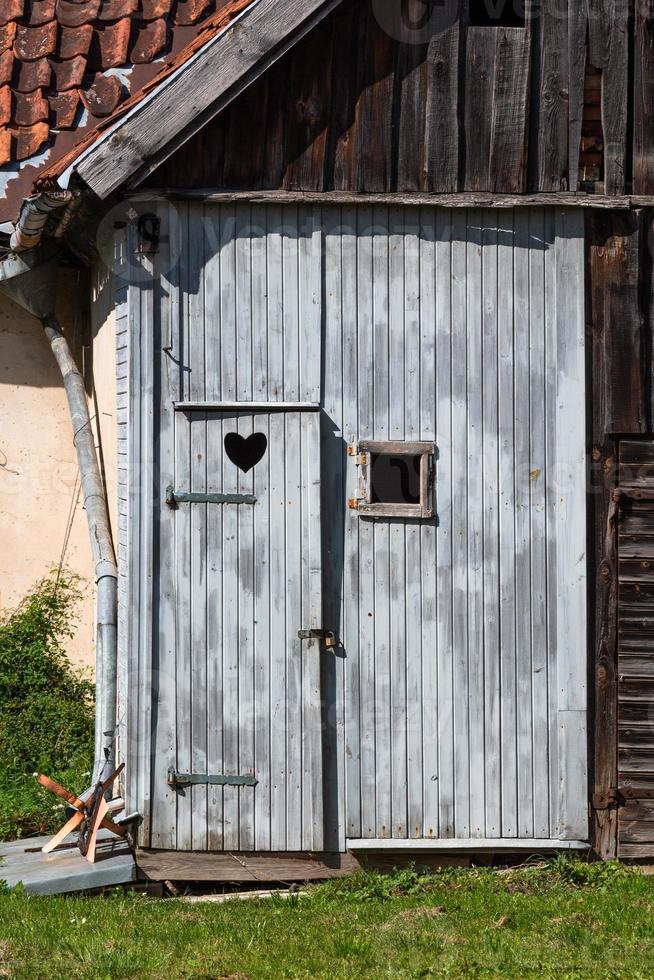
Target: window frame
425,509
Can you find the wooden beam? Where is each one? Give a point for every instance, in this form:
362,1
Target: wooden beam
477,199
466,844
200,89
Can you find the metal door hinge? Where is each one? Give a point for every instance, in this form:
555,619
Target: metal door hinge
180,779
604,801
175,497
327,635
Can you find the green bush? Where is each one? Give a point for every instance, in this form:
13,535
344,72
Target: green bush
46,708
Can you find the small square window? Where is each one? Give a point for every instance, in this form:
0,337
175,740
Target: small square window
397,479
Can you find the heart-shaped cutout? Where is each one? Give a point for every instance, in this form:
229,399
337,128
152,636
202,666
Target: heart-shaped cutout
246,453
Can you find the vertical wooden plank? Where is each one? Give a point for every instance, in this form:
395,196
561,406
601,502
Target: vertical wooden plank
428,530
507,531
262,558
497,77
508,145
312,838
334,503
274,218
478,109
551,403
373,152
215,636
474,522
413,633
399,718
571,528
278,628
308,111
164,742
383,693
230,564
245,528
445,323
523,611
608,35
366,583
410,94
295,651
643,95
442,127
351,611
538,524
459,519
491,561
198,517
183,665
550,124
577,26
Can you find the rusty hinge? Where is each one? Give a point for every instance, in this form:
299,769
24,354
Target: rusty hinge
604,801
359,459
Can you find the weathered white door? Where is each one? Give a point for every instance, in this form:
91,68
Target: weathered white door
243,770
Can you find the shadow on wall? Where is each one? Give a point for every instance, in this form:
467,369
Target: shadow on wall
25,356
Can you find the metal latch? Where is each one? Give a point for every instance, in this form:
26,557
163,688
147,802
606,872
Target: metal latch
178,779
604,801
175,497
327,635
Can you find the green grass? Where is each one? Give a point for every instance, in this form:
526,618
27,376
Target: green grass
565,920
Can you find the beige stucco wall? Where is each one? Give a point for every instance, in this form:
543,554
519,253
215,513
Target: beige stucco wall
41,512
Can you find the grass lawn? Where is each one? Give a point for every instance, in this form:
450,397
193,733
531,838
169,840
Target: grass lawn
566,919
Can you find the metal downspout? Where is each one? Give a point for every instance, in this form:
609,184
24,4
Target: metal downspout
30,281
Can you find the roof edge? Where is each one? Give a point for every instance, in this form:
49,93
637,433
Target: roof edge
152,126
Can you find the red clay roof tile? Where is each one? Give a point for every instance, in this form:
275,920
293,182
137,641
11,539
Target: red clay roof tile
7,35
5,146
103,95
39,12
32,75
10,10
113,43
31,43
6,67
30,139
5,105
74,41
30,108
68,74
149,39
63,107
72,14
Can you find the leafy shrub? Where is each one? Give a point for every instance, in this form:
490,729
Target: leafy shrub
46,708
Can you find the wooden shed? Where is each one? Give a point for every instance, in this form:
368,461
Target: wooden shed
382,284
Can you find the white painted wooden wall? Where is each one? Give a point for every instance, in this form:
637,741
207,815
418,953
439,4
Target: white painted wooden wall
455,707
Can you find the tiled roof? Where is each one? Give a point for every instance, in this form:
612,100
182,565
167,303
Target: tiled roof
66,64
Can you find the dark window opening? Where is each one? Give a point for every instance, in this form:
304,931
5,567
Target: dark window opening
394,479
497,13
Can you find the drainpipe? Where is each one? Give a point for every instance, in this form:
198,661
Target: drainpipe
30,281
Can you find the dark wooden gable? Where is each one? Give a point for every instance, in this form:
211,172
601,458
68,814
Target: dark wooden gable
550,106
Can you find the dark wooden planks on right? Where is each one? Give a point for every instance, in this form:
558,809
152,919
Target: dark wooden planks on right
618,404
636,647
643,95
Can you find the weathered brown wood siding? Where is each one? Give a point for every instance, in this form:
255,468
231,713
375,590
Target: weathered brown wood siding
370,103
636,649
619,344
